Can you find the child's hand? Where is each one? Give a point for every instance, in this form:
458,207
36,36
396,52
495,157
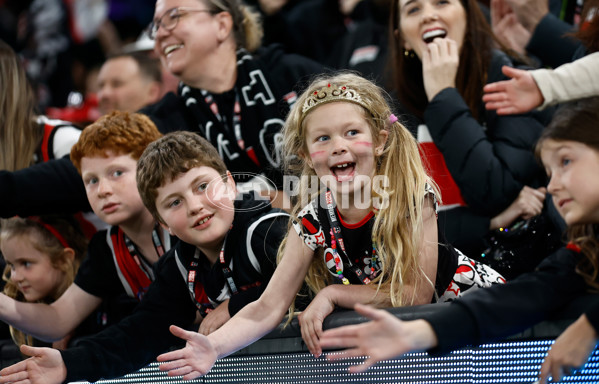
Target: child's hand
215,318
194,360
45,366
383,338
570,350
311,319
529,203
440,61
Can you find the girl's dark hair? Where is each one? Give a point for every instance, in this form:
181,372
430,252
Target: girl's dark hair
579,121
475,58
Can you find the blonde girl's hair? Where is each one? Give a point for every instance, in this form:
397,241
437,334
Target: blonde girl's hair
247,25
20,135
577,121
398,224
38,231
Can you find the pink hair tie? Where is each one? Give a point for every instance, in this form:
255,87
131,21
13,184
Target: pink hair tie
392,119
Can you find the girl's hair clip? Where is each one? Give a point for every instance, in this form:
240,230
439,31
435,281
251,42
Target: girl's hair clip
392,119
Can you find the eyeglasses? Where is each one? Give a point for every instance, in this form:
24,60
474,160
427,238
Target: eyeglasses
170,19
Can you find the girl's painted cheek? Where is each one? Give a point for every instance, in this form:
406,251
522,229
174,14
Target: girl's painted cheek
364,143
317,154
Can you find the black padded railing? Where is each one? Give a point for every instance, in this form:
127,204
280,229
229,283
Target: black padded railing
282,357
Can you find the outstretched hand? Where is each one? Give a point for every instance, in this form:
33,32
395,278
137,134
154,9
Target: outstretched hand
520,94
45,366
192,361
383,338
570,350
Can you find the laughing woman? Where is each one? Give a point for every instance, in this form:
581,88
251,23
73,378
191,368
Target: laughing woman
444,53
232,92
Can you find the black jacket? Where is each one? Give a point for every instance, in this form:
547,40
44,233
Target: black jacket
490,160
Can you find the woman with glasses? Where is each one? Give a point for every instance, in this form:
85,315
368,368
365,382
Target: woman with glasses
232,92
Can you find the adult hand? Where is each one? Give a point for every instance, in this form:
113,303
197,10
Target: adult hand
520,94
507,28
570,350
383,338
529,203
45,366
215,318
529,12
440,61
192,361
311,319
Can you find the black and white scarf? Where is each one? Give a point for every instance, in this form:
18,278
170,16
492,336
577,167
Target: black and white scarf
249,141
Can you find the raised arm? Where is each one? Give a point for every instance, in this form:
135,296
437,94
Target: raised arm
49,322
540,88
248,325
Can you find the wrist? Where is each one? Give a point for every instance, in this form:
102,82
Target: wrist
425,337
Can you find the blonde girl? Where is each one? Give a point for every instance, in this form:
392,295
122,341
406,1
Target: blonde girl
42,255
342,131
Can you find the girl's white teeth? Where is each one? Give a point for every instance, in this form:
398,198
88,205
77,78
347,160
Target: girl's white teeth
429,35
171,48
342,165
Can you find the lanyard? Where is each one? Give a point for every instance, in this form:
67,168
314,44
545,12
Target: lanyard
337,238
209,99
226,270
193,271
138,256
191,283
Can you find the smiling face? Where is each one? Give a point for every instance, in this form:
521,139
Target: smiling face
421,21
574,183
30,269
196,36
340,146
198,208
112,189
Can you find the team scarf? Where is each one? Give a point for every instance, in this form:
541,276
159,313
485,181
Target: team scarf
134,271
252,141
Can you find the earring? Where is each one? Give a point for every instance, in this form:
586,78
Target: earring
408,54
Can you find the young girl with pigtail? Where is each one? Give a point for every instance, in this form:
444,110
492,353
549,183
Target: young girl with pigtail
368,234
42,255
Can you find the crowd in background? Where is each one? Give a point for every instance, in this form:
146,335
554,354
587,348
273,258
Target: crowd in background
71,64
